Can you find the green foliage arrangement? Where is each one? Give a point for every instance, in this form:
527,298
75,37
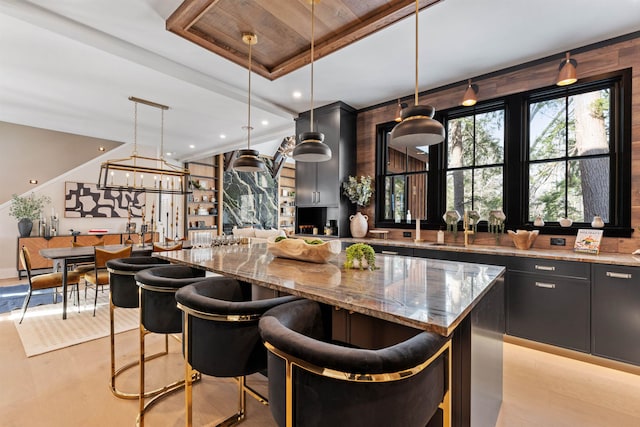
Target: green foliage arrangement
360,251
358,190
27,207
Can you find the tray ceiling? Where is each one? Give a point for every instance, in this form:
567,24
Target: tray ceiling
283,28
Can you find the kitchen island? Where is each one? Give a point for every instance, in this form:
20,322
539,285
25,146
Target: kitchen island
463,301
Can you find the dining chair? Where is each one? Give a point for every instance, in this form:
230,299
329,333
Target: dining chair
100,275
84,267
43,281
160,248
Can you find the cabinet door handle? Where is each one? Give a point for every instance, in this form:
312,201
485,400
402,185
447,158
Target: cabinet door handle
318,197
619,275
546,285
545,267
313,197
389,252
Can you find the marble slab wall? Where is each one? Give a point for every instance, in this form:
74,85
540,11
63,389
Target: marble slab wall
250,198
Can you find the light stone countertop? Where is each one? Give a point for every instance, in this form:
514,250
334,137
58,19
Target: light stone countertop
557,254
422,293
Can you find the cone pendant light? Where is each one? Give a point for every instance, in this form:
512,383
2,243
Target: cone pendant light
567,71
312,147
417,128
247,160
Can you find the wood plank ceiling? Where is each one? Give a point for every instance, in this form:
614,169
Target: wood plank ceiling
283,28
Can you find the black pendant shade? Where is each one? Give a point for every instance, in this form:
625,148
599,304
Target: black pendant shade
311,148
418,128
247,161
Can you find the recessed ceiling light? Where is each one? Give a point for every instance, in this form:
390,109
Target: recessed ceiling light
101,148
33,181
297,94
168,153
223,136
265,122
192,146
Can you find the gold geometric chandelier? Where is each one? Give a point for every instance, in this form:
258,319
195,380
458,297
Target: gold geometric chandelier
142,173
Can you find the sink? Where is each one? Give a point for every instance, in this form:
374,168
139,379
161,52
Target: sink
444,245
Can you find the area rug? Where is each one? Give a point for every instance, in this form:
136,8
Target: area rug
12,297
43,329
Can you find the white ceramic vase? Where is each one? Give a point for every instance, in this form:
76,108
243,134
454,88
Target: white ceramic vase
597,222
358,225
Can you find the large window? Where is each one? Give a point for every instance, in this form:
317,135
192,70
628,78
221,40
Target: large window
405,182
553,152
569,156
475,162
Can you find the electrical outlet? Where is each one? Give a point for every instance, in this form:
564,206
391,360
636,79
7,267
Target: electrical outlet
558,241
406,234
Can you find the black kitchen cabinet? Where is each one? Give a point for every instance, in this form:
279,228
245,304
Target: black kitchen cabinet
318,184
616,312
392,250
549,301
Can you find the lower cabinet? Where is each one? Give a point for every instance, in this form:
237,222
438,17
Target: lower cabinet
550,309
392,250
616,313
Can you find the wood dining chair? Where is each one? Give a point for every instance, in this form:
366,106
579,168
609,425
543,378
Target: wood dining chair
100,275
43,281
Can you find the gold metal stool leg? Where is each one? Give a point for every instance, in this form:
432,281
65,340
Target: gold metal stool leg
117,371
159,393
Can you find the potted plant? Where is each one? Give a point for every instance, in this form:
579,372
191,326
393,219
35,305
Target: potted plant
360,255
26,210
359,191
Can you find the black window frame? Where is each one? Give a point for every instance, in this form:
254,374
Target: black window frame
516,185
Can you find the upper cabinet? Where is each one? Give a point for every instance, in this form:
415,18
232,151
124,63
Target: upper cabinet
318,184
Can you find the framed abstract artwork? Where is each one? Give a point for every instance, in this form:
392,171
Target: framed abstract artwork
84,200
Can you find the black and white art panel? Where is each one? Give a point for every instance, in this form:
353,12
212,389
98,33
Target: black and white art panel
84,200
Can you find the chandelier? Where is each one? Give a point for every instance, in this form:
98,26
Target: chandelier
142,173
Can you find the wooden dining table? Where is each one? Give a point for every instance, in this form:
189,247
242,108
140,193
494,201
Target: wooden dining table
78,254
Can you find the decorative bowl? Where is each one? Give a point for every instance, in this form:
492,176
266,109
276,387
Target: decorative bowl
300,250
523,239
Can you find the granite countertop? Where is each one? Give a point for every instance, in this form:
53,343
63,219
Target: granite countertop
422,293
562,254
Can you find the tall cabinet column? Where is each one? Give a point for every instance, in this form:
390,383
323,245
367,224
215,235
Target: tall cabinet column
318,185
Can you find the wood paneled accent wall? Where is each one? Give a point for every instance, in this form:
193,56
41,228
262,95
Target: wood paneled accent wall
597,60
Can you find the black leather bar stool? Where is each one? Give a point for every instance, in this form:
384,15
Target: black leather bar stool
221,338
123,293
314,382
160,314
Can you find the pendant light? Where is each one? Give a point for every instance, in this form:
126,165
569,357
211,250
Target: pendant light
128,174
567,71
470,95
417,128
312,147
247,160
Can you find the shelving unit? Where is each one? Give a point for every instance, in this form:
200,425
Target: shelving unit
202,206
287,198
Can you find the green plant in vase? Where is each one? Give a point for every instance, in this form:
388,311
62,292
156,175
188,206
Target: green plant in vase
26,210
360,255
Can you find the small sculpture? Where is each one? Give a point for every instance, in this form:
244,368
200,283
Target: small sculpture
451,218
496,222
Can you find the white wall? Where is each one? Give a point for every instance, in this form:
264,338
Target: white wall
54,188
